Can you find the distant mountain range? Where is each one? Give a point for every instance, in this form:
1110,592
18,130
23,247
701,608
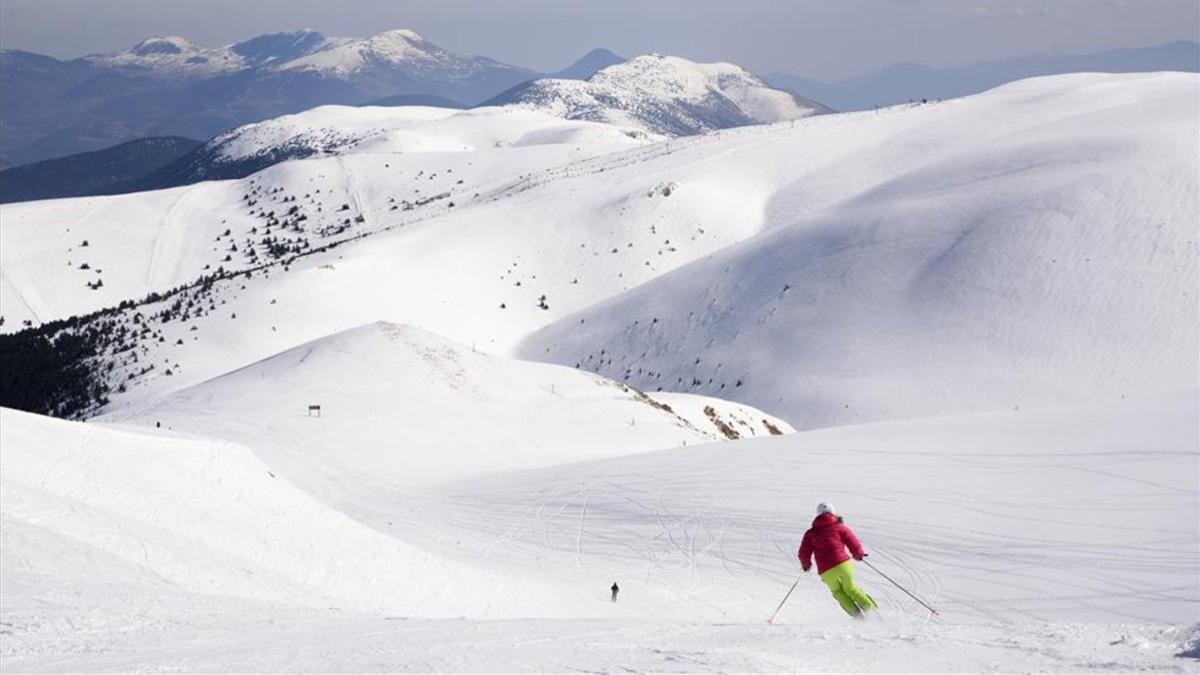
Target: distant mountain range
905,82
589,64
645,96
169,86
109,171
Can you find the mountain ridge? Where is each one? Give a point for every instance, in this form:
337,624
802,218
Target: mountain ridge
108,171
168,85
906,82
656,95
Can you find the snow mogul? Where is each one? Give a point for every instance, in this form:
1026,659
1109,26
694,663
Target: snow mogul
828,540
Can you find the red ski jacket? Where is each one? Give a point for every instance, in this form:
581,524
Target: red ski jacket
828,539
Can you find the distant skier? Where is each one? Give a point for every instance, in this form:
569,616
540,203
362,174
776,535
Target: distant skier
827,540
615,589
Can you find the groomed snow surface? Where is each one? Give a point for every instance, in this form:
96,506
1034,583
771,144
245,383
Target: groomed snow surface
981,315
1059,539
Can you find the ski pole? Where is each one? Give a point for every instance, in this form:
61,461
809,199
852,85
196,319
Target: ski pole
906,591
785,598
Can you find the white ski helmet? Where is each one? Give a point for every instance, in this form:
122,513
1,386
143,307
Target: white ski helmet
825,507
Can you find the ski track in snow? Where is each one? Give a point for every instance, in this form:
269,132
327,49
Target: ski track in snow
165,633
168,238
674,533
1023,531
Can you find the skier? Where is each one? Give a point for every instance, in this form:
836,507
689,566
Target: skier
615,589
827,540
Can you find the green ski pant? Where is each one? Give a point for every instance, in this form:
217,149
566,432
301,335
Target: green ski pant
840,581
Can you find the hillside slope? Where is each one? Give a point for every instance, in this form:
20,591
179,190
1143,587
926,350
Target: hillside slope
1057,262
403,407
1032,244
209,518
339,130
1030,515
378,168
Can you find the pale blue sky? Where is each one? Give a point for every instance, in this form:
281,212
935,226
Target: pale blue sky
816,38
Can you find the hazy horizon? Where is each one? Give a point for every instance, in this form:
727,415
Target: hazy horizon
810,39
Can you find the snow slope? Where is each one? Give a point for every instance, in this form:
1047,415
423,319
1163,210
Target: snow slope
388,165
1015,525
1058,514
1033,244
329,129
663,94
226,637
1057,262
342,130
210,518
402,407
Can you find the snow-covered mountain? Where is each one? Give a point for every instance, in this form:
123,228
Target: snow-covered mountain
375,170
401,61
171,55
1011,253
589,64
341,130
325,131
175,57
653,95
386,51
400,55
1016,269
664,94
273,49
952,233
171,86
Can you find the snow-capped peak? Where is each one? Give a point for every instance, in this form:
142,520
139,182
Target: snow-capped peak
173,55
387,49
665,94
588,64
273,48
401,33
169,44
658,74
399,44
